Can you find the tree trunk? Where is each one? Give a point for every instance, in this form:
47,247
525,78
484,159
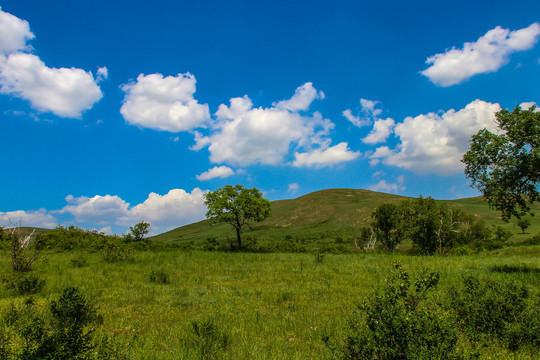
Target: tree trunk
238,238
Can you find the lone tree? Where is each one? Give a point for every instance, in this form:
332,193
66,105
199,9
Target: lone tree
237,206
505,167
139,231
523,224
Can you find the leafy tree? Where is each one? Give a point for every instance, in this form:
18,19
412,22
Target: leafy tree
139,231
386,224
505,167
237,206
523,224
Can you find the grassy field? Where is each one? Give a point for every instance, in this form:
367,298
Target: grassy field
269,306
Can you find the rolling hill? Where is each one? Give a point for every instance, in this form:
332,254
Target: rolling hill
329,213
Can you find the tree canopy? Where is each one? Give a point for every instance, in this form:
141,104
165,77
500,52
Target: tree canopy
505,167
237,206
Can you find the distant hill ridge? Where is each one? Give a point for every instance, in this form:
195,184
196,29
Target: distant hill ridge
329,211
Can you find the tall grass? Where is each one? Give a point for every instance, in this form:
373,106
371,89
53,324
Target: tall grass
259,306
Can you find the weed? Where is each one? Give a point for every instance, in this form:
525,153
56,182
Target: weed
209,341
159,277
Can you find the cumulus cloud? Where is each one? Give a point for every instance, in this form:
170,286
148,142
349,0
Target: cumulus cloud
368,113
528,104
35,218
216,171
98,209
380,132
243,135
66,92
163,103
488,54
302,98
325,156
15,33
435,143
164,212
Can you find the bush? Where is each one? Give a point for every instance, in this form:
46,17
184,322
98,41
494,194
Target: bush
489,309
64,332
207,339
159,277
396,324
114,251
24,284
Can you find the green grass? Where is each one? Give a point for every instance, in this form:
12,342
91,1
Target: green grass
328,214
272,306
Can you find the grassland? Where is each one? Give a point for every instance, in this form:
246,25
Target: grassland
328,214
271,306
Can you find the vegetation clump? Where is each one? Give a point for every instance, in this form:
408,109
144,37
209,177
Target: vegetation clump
398,324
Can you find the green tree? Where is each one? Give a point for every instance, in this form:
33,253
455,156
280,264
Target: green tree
237,206
505,167
523,224
386,224
139,231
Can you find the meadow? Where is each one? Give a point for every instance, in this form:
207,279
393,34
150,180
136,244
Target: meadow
177,304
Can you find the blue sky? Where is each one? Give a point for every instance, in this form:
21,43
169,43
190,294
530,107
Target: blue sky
117,112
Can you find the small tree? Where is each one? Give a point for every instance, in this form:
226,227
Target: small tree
386,224
139,231
523,224
237,206
505,167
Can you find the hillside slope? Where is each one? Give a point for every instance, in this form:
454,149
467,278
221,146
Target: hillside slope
331,213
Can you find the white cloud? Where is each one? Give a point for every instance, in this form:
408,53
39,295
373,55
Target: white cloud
102,74
14,33
162,103
176,208
216,171
302,98
35,218
325,156
66,92
293,188
380,132
164,212
98,209
528,104
243,135
386,187
368,111
488,54
433,143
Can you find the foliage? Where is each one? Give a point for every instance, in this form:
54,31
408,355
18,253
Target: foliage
489,309
523,224
138,232
64,332
24,283
397,324
23,249
386,220
505,167
237,206
159,277
73,237
115,250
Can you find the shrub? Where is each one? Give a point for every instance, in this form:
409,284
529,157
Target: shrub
207,339
159,277
396,324
24,284
489,309
114,251
65,332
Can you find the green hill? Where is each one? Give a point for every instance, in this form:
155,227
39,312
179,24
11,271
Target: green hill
328,214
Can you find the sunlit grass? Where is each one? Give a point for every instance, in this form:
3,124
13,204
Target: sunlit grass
272,306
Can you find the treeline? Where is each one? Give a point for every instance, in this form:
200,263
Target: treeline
430,226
